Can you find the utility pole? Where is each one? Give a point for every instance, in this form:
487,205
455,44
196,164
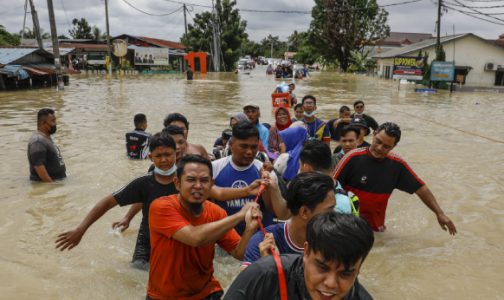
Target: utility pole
185,19
54,36
24,21
108,38
438,41
36,26
271,52
216,52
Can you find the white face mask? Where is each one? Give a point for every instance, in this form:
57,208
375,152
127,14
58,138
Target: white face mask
169,172
309,114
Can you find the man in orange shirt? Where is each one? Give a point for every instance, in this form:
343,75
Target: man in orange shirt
184,229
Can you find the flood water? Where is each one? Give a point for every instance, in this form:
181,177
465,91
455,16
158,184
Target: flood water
453,142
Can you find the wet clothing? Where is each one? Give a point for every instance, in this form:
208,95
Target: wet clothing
137,144
43,151
318,129
177,270
370,121
283,242
374,180
228,175
260,281
144,189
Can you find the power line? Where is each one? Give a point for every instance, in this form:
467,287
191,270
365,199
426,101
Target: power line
476,11
473,16
477,7
151,14
66,15
288,11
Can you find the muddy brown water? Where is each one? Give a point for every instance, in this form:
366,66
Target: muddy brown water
454,142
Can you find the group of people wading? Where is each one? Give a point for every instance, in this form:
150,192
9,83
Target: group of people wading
319,208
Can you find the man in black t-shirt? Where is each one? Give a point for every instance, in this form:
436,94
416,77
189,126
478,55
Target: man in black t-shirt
137,141
144,190
46,163
335,248
373,173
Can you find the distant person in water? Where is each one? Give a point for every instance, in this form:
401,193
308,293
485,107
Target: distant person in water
44,156
180,120
137,141
336,125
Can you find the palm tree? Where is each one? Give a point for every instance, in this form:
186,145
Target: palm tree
97,34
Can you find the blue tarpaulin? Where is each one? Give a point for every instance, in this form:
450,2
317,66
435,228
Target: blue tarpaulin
14,71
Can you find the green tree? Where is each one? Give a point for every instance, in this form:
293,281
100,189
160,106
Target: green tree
279,47
251,48
81,29
7,39
231,29
339,27
296,40
97,34
30,34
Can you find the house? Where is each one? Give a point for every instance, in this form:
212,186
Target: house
478,62
25,68
146,53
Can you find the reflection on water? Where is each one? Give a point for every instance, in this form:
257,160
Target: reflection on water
414,259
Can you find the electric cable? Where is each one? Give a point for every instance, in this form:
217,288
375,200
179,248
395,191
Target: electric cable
151,14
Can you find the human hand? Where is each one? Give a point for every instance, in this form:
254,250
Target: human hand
69,239
122,225
254,187
252,216
267,166
267,245
446,224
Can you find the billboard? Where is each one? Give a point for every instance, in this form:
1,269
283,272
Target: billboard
406,67
150,56
442,71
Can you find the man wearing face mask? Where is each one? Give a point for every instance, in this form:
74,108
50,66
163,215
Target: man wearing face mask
46,163
316,128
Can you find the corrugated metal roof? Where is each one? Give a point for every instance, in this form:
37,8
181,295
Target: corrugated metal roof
8,55
417,46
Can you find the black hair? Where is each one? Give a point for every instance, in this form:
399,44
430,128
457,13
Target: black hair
391,129
309,97
308,189
175,117
358,102
299,105
317,154
43,114
160,139
172,130
343,109
341,238
226,134
192,158
349,128
244,130
139,119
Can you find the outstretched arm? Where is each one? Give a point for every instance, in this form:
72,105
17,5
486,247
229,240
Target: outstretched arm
123,224
429,200
72,238
200,235
224,194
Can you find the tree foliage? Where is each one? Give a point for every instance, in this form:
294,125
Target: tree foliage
30,34
81,29
7,39
231,29
339,27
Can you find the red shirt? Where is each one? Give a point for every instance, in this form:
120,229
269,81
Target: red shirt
373,181
179,271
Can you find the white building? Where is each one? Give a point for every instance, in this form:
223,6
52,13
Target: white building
478,62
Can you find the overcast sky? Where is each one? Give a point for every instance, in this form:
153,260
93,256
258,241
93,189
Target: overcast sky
415,17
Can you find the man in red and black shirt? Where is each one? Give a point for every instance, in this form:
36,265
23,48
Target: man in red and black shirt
373,173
